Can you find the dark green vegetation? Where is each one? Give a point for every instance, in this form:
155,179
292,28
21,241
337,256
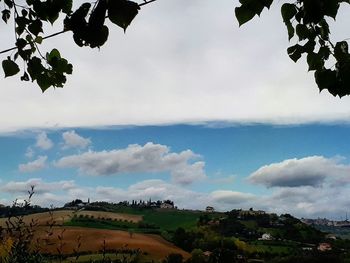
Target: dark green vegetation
305,19
342,232
308,21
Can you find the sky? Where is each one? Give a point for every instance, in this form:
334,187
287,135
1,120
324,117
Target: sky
186,105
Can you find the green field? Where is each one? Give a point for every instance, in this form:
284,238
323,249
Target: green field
170,220
165,219
154,221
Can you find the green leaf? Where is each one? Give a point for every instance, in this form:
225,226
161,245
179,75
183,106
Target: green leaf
38,40
331,8
25,77
324,30
313,11
267,3
10,67
54,54
294,52
302,31
309,46
324,52
44,82
122,12
326,79
315,61
244,14
21,43
99,37
35,68
36,27
67,6
341,50
288,11
6,14
97,16
291,30
9,3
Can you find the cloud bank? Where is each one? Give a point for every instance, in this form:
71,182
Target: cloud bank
308,171
150,158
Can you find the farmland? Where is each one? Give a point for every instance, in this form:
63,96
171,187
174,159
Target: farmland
92,241
59,217
153,233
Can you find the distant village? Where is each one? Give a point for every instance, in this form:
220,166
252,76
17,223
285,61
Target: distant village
326,222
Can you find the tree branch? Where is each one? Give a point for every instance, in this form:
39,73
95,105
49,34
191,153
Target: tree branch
63,31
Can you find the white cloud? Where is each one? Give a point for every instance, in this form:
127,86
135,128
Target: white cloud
73,140
199,69
33,166
29,153
232,197
43,142
150,158
304,201
156,190
40,186
57,193
308,171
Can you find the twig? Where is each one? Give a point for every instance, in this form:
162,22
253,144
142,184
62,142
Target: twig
63,31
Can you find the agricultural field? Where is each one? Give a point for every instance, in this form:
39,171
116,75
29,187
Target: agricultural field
59,217
91,229
165,219
92,241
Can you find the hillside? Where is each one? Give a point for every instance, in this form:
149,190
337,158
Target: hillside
156,233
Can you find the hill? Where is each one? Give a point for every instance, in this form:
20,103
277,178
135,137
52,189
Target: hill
241,235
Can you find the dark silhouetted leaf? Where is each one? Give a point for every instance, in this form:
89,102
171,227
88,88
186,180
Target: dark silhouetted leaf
6,14
36,27
294,52
10,67
302,31
122,12
331,8
315,61
291,30
325,79
288,11
244,14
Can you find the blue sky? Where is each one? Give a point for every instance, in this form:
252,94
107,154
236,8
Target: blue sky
187,106
232,166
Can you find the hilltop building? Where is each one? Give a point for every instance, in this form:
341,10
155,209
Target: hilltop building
266,236
209,209
324,247
167,204
250,212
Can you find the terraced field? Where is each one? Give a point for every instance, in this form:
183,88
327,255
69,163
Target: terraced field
61,216
92,239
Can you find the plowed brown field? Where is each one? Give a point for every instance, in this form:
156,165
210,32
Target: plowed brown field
62,216
92,241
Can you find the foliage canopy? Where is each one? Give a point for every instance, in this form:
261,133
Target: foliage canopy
306,22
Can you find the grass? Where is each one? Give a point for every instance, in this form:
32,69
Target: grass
170,220
162,219
110,225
